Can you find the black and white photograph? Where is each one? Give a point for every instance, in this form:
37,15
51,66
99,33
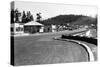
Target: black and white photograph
50,33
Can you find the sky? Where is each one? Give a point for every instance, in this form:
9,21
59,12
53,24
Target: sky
49,10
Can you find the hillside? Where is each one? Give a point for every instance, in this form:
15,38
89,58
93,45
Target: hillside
85,21
73,19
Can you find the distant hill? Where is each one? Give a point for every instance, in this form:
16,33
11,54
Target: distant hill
72,19
85,21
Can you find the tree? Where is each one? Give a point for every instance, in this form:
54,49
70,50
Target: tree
38,17
24,17
29,16
17,14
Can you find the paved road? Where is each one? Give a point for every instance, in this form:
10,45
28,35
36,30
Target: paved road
43,49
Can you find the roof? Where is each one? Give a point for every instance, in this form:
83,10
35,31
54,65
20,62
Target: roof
34,23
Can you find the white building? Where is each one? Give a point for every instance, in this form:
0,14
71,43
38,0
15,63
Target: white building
53,28
17,28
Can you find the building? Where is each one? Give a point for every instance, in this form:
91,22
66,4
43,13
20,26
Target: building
54,29
47,28
17,28
33,27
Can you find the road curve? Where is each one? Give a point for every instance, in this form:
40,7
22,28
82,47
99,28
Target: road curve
90,53
87,48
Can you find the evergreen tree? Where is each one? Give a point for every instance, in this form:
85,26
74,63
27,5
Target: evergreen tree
38,17
28,16
31,17
17,14
24,17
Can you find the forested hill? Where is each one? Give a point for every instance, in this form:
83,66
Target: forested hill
63,19
85,21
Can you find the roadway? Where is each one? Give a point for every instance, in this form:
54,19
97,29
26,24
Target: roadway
43,49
